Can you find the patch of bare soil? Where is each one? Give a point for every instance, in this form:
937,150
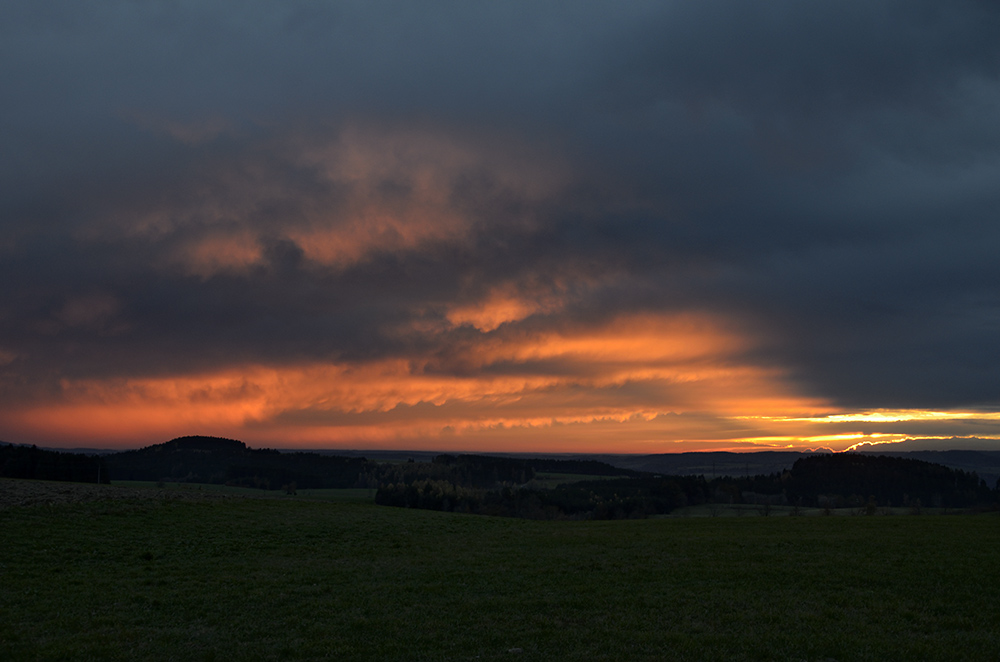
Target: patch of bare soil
14,492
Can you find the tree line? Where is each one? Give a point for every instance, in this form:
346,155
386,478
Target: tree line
500,485
31,462
824,481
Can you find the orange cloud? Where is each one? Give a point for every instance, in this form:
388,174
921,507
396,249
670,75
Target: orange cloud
397,403
7,357
514,301
374,189
401,189
650,380
638,383
502,305
220,252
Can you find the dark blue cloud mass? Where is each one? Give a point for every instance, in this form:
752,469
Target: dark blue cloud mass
186,186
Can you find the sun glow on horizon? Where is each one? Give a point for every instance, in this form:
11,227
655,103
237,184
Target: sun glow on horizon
632,383
640,383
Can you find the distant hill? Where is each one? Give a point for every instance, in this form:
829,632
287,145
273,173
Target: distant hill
199,459
715,464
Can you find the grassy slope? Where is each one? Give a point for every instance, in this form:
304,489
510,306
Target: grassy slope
295,579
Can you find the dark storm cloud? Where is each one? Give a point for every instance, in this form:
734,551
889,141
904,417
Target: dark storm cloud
823,173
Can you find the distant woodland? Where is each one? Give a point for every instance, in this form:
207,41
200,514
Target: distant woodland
35,463
843,480
517,487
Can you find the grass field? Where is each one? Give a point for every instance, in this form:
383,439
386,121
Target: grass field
350,495
302,579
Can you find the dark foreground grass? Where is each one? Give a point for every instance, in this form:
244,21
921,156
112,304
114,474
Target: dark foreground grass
250,579
356,495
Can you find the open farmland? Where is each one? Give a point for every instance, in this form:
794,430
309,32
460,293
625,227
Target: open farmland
292,578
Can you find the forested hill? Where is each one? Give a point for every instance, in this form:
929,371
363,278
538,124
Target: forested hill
885,479
713,464
200,459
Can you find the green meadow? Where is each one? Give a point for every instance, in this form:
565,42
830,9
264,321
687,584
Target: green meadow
321,578
348,495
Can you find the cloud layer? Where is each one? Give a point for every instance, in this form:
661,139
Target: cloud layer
640,226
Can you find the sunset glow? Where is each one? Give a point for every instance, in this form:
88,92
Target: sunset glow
496,390
637,384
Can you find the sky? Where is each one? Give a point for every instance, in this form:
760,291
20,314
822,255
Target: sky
628,227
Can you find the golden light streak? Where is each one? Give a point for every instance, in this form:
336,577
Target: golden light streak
883,440
897,415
